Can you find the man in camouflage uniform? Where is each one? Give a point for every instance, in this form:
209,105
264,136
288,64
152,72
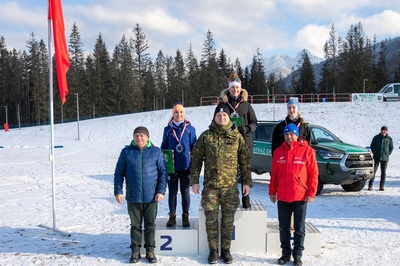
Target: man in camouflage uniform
222,148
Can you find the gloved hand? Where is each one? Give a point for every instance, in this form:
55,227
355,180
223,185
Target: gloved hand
243,130
246,202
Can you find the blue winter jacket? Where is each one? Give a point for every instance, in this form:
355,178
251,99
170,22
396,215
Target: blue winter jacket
182,160
144,171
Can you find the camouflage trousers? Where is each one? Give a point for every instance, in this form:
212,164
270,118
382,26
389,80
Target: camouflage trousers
211,200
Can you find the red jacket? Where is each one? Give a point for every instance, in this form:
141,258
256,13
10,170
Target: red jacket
294,173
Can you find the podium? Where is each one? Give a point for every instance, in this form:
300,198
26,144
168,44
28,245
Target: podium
312,241
251,233
249,230
176,240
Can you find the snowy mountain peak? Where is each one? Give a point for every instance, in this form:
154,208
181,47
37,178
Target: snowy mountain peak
283,63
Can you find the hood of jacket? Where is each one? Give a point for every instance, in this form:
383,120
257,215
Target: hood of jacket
172,125
244,95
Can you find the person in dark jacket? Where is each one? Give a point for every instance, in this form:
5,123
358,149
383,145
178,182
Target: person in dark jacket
242,115
179,136
220,147
293,116
142,166
382,148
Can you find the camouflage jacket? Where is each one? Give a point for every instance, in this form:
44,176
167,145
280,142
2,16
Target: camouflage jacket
221,148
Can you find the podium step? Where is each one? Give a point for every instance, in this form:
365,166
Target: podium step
312,241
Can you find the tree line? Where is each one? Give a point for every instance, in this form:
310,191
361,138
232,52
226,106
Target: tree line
129,79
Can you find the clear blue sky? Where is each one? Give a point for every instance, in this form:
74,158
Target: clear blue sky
240,27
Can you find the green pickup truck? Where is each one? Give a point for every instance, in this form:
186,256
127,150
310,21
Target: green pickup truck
339,163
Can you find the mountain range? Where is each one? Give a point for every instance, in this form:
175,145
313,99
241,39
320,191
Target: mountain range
284,64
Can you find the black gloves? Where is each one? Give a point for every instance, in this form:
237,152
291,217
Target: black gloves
246,202
243,130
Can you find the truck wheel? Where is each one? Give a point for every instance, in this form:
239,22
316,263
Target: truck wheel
320,187
357,186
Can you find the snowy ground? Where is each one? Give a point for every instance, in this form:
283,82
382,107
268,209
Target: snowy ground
358,228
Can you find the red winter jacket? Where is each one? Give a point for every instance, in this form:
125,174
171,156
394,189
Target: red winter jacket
294,173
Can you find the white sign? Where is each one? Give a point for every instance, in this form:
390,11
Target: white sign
357,97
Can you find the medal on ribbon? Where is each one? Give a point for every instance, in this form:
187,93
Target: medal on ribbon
179,148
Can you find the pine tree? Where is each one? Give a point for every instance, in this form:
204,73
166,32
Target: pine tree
224,70
139,45
160,81
37,78
208,65
381,70
102,80
306,82
75,77
329,71
176,79
257,74
122,78
193,79
356,59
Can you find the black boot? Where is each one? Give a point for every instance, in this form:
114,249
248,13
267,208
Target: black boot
185,219
226,256
135,257
246,202
297,261
151,258
172,219
382,183
213,256
284,259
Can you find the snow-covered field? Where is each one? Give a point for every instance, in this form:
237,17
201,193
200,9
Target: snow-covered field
357,228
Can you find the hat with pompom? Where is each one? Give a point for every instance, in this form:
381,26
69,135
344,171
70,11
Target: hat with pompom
234,80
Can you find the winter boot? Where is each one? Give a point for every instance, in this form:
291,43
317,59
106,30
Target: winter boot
213,256
226,256
382,183
297,261
172,219
135,257
370,186
283,260
151,258
246,202
185,219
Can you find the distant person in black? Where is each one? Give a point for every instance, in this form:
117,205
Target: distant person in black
294,117
242,115
382,148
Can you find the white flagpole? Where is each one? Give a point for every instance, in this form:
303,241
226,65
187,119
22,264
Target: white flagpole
52,126
52,155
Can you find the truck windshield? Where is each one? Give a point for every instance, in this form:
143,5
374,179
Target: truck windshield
320,134
383,90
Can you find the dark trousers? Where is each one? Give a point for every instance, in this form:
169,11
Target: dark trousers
383,172
145,213
182,177
285,210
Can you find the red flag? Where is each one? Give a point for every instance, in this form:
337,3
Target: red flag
60,45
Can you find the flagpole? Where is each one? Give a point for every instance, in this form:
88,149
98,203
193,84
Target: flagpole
51,110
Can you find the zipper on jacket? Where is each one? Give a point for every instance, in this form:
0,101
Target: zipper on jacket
141,174
301,183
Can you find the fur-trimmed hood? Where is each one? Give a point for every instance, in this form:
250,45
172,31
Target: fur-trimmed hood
244,95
